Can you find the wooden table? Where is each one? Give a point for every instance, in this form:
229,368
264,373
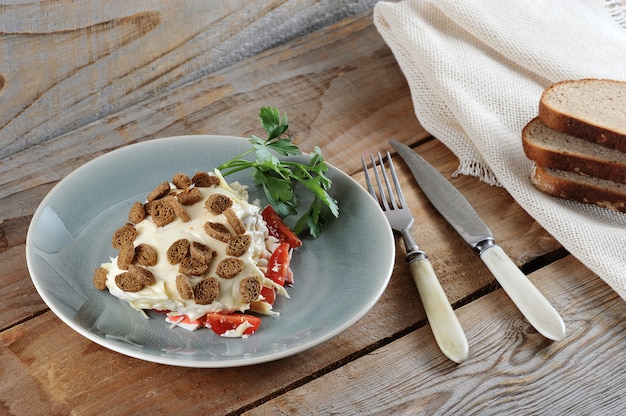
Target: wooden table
79,79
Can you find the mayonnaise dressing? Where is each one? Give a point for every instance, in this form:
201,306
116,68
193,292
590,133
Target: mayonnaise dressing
163,295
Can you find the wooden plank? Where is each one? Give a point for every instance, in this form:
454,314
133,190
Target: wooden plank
292,77
87,59
511,368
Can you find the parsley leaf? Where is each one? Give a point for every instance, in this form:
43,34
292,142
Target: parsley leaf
279,177
272,123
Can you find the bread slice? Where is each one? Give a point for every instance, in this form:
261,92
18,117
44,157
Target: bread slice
576,187
553,149
591,109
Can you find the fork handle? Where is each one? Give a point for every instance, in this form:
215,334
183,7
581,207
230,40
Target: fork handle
443,321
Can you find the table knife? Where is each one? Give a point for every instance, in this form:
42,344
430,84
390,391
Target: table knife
453,206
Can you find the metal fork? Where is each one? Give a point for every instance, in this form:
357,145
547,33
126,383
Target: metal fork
443,321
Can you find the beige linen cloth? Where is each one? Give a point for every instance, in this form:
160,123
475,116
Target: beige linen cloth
476,70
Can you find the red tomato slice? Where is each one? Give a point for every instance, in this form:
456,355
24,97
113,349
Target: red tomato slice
278,266
220,323
277,228
269,294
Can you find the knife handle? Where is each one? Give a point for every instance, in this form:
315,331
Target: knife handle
443,321
524,294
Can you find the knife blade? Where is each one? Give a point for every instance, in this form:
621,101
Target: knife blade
453,206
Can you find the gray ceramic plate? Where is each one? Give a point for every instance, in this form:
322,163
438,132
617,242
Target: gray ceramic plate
338,277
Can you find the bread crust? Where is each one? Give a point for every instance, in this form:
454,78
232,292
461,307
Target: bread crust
568,161
578,189
578,127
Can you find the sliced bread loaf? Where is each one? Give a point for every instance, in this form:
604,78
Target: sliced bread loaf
553,149
585,189
592,109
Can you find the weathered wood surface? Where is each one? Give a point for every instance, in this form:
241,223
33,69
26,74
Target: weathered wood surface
512,369
79,79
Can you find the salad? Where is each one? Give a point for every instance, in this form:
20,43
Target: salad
197,251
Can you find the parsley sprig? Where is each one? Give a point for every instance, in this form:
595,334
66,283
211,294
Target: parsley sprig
279,177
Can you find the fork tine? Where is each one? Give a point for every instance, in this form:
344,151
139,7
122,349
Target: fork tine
370,188
381,190
392,198
387,197
394,176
